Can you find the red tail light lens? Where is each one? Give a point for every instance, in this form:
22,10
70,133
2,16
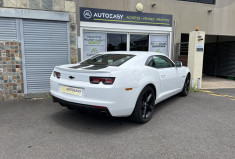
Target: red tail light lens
57,74
104,80
95,80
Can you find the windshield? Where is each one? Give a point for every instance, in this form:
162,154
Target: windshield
108,59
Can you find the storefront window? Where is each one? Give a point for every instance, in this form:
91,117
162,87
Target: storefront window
139,42
93,43
97,42
116,42
159,43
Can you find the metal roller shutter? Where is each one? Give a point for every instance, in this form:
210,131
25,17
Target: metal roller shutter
8,29
46,45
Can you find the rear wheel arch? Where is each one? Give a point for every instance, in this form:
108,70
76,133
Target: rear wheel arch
154,88
189,74
185,89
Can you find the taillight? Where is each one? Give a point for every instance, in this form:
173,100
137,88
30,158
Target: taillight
56,74
104,80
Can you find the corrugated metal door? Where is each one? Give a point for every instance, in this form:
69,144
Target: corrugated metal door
45,45
8,30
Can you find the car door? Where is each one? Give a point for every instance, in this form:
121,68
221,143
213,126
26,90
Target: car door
168,74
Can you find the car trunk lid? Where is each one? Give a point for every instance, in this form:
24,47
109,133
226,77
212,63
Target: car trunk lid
77,72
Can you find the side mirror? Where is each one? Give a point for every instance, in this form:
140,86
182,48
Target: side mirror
178,64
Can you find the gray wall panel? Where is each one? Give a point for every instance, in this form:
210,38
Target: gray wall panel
8,29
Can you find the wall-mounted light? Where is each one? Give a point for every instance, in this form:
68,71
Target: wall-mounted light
139,7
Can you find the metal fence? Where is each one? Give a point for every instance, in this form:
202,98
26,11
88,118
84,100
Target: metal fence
182,48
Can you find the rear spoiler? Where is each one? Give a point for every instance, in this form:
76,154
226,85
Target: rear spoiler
80,70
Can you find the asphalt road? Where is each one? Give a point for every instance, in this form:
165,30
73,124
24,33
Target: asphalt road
198,126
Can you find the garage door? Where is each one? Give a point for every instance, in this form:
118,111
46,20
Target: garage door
45,45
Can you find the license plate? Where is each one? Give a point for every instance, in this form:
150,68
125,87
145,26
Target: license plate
71,90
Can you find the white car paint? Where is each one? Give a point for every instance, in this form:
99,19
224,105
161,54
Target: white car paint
132,74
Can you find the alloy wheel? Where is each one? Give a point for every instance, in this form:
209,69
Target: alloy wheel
147,104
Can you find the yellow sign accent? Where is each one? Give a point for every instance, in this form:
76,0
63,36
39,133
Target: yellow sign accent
131,21
71,90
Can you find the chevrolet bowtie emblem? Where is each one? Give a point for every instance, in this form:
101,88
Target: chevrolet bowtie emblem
71,77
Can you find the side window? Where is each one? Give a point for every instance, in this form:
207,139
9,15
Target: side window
162,62
150,62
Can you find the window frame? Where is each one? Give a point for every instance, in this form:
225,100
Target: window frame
126,29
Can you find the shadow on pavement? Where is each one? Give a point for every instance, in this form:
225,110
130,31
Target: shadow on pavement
90,123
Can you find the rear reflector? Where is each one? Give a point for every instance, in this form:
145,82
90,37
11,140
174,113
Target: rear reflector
94,106
104,80
57,74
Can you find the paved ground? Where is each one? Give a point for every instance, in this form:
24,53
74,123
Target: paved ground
209,82
198,126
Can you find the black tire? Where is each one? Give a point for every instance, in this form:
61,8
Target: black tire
144,106
70,108
185,89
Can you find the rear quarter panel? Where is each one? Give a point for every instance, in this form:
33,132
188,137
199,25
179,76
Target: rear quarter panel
137,78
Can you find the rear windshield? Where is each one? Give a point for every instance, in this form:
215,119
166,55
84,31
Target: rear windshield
108,59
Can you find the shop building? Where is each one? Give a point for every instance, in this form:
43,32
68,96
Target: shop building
112,30
36,35
213,17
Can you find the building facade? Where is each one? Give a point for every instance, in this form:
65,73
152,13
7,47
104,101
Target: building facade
212,16
36,35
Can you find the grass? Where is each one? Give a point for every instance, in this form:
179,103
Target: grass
193,90
48,96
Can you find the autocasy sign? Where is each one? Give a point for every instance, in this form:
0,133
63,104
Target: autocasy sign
124,17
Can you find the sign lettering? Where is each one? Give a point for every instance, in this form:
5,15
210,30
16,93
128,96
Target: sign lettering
124,17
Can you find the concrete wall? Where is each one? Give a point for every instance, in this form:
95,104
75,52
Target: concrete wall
188,15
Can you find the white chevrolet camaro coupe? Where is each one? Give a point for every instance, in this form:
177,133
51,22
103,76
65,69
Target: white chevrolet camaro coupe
120,84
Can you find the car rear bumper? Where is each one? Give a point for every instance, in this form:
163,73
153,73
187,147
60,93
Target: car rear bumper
118,101
101,110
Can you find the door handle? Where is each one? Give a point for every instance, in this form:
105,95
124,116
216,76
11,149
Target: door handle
163,75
